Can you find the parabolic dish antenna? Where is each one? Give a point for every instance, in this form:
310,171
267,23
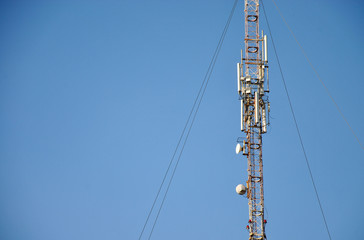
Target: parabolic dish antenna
238,148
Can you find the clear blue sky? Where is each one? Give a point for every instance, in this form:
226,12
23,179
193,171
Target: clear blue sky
94,95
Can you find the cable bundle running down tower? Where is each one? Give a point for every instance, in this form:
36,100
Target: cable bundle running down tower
253,87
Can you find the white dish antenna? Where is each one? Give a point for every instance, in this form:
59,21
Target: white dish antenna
240,189
238,148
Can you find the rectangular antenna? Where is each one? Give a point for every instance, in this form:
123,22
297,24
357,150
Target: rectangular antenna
264,120
242,115
239,82
256,106
265,49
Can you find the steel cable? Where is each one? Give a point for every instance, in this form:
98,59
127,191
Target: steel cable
296,124
193,112
318,76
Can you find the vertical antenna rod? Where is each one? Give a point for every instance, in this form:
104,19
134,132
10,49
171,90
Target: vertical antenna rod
253,92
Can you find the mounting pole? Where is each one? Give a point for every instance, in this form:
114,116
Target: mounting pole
253,91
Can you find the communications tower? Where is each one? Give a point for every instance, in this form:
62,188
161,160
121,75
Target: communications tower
253,89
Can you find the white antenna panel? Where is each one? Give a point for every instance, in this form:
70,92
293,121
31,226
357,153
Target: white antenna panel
239,82
264,120
242,115
256,107
265,49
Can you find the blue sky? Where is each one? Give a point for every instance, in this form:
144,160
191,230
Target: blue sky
94,95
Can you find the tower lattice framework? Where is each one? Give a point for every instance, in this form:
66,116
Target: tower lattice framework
253,87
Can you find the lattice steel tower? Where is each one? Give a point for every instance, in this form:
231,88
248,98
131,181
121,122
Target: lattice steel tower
253,87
